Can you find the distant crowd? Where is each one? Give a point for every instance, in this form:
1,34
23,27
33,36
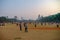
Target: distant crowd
26,26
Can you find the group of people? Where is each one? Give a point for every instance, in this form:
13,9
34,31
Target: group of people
2,24
25,26
35,25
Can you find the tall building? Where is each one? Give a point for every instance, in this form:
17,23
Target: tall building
39,17
6,16
22,18
15,17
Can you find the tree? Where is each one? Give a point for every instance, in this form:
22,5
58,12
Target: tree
3,19
51,18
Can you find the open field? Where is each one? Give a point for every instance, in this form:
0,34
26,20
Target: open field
44,32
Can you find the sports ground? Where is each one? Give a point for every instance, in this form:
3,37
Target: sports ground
41,32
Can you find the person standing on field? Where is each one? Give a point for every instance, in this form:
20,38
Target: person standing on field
26,27
57,25
20,26
35,25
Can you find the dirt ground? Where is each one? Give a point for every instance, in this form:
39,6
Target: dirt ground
12,32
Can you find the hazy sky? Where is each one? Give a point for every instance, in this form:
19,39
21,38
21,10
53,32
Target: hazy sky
29,9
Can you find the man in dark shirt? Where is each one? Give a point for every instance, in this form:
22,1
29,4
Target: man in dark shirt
20,26
25,25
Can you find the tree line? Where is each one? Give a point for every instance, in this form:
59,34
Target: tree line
51,18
